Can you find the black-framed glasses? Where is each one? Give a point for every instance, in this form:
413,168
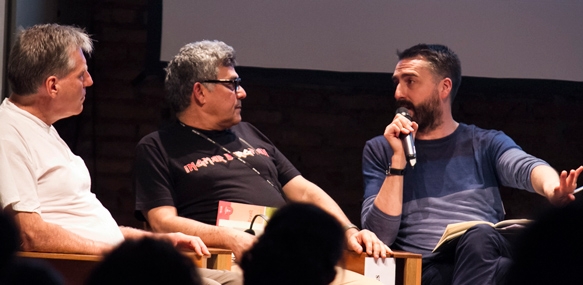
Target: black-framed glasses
233,84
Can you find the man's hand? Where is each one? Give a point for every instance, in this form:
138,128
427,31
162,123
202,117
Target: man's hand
241,242
359,241
399,125
563,193
180,240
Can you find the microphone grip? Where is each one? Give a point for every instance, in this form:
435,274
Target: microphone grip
408,146
408,140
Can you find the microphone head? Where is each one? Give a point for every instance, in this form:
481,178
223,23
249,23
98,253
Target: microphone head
403,111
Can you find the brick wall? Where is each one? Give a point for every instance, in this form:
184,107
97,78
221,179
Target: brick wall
319,120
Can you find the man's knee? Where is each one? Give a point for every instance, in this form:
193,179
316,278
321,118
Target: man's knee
223,277
479,233
481,228
485,240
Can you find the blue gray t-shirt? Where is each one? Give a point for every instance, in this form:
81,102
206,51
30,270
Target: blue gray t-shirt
455,179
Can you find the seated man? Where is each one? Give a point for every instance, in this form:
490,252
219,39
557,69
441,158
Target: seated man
208,155
44,186
455,178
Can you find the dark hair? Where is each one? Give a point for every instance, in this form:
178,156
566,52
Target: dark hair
42,51
305,241
145,261
443,61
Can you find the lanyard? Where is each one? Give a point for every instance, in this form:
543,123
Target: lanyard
235,156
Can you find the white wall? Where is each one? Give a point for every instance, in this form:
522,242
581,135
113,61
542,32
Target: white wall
493,38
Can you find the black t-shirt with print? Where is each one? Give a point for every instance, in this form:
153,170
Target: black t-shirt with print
176,167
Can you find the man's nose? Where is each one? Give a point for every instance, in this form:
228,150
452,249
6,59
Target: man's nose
241,94
88,79
398,92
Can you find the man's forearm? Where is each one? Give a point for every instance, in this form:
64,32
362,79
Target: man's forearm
544,179
38,235
390,197
384,226
213,236
133,233
300,189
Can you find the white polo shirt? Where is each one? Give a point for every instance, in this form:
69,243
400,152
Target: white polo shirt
39,173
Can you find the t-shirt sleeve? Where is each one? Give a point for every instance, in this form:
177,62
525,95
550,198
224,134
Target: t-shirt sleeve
152,181
18,182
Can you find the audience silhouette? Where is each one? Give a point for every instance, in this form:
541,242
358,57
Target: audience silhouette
301,244
145,261
550,250
16,271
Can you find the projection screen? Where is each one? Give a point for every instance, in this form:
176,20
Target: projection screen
539,39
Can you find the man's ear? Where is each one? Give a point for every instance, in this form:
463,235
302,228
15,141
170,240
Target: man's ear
198,93
52,86
445,88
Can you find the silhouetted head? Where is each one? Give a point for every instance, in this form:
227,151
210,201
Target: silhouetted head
145,261
301,244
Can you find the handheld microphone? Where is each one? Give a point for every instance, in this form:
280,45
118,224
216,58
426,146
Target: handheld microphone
250,229
408,141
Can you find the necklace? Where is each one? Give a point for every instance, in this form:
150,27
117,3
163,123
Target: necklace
235,156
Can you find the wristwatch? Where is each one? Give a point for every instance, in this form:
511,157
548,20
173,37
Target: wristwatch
395,171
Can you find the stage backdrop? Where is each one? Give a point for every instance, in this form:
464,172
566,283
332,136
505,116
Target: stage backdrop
538,39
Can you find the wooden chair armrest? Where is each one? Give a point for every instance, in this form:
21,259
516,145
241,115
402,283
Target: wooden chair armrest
408,265
75,268
220,259
63,256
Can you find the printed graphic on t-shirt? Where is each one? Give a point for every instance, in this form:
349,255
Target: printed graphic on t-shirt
224,158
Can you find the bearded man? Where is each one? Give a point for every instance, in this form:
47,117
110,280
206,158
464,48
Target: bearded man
455,178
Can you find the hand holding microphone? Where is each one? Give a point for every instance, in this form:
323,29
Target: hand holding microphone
407,139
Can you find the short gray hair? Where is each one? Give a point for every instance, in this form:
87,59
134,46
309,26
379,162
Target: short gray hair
42,51
195,62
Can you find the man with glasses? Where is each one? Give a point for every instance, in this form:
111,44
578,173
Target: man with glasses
43,185
208,155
